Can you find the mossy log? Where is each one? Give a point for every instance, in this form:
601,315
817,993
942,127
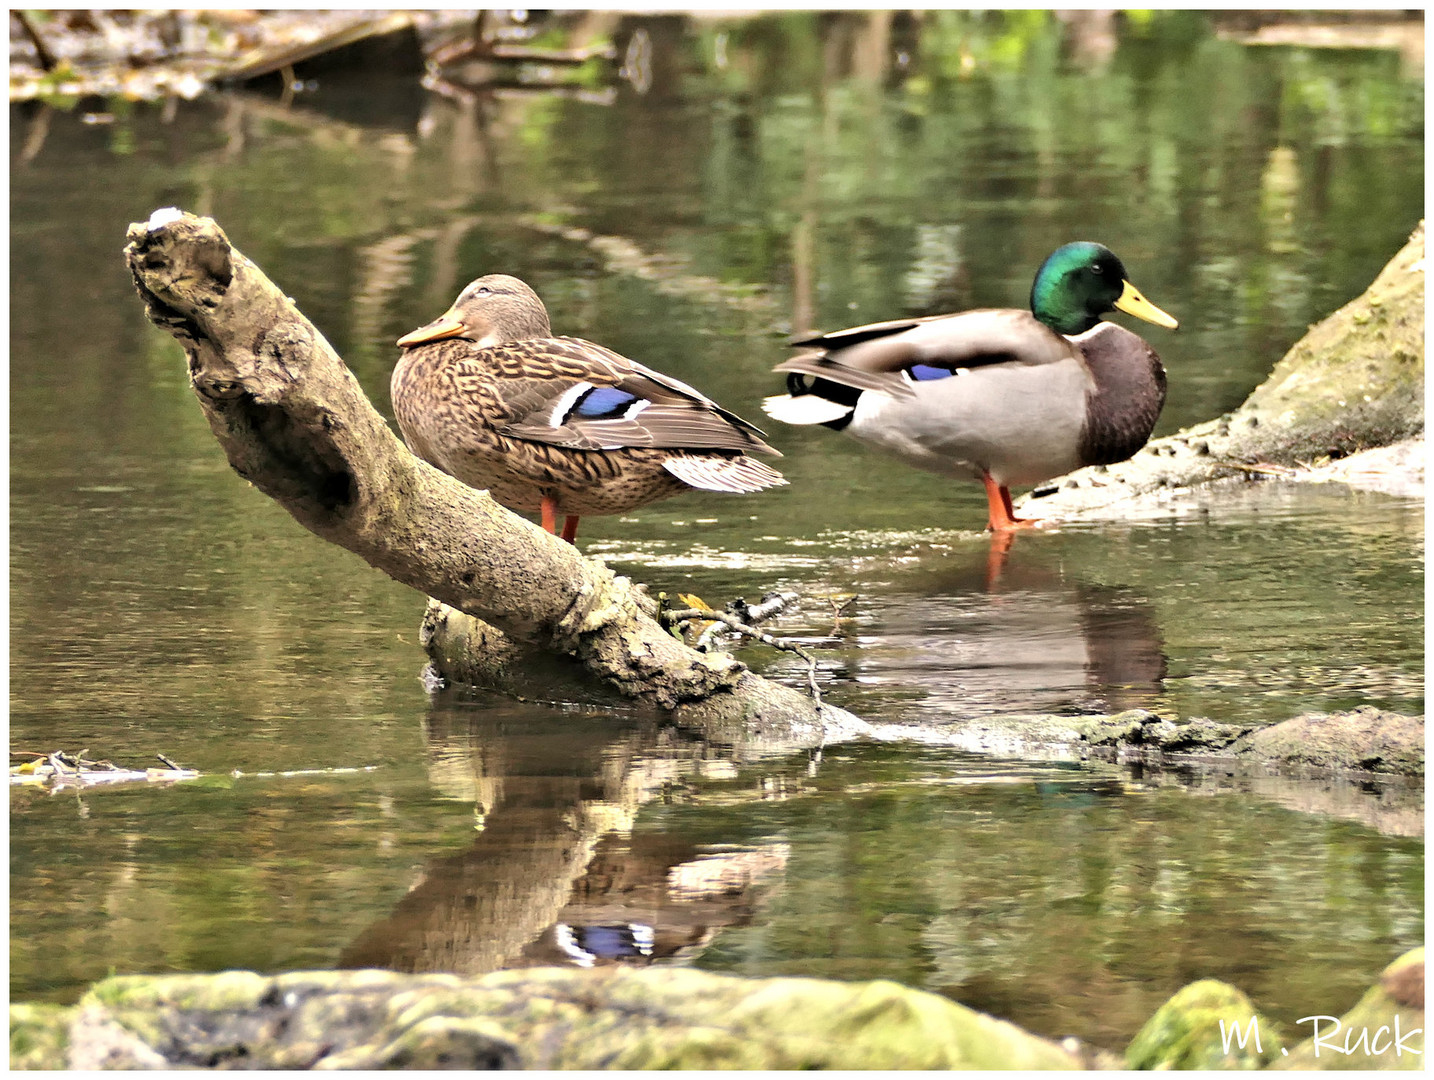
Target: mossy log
1353,382
294,422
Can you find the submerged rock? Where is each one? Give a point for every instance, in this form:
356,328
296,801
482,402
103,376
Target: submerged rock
1365,739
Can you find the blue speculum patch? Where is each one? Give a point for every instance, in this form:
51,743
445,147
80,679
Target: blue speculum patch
927,373
603,403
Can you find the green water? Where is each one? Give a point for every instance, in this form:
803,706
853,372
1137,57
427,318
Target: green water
160,605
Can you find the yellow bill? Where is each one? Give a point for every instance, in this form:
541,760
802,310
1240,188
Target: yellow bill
447,325
1132,303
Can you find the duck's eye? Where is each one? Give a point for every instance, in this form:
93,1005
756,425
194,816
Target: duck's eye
482,290
1096,268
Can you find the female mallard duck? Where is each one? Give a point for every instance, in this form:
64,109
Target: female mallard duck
1011,397
559,425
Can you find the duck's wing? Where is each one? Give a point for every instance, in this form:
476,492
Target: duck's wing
572,393
840,339
893,357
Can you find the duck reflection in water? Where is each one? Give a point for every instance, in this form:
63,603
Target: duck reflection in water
555,874
1012,631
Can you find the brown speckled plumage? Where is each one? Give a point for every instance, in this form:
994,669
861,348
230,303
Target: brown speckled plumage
488,395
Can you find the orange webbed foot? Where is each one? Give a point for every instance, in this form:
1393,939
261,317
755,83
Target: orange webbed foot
1000,516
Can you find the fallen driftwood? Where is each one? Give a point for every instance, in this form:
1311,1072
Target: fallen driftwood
293,421
57,769
1355,381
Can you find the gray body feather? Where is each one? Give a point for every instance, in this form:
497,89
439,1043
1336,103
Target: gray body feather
1024,404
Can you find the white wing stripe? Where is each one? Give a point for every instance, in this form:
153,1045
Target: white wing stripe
566,402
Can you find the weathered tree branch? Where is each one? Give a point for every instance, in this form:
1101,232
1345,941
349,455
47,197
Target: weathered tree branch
293,421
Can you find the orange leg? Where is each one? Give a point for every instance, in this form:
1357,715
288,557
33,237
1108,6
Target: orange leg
1000,516
996,557
550,514
570,528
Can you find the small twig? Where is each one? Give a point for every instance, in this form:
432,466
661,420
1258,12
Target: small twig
42,54
166,760
676,618
811,677
531,54
773,603
1264,469
707,640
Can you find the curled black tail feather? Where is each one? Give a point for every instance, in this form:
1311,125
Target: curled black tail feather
799,384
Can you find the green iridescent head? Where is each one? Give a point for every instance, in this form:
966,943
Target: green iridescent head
1080,282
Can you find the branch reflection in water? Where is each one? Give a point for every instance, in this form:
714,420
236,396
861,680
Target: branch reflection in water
556,873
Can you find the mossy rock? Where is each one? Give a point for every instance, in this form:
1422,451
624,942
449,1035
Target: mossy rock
543,1018
1203,1027
1376,1033
39,1036
1355,380
1364,739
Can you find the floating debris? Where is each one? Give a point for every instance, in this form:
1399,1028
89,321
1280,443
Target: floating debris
58,769
308,772
708,624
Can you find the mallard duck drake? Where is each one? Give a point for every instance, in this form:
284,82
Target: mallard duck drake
558,425
1007,396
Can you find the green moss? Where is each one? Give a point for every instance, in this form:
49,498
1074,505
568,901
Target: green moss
39,1036
1394,1003
1201,1027
440,1042
223,991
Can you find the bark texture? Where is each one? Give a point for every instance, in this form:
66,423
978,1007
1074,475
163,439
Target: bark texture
294,422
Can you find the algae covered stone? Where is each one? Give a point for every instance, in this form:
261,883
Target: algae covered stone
1206,1025
1384,1030
538,1018
39,1036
